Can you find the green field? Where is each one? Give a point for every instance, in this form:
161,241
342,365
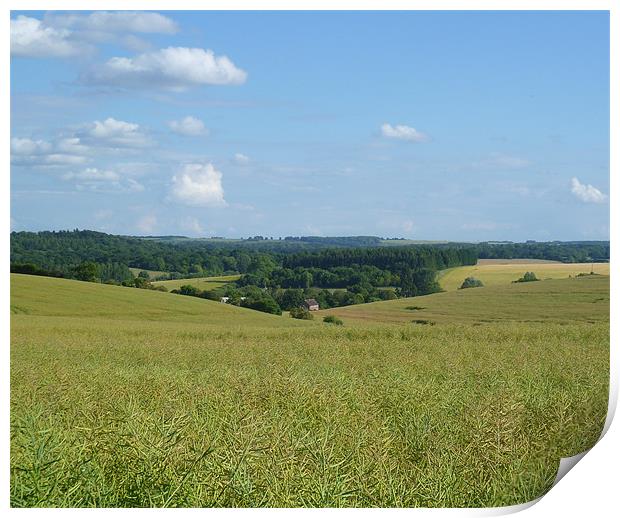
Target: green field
153,274
123,397
504,272
202,283
579,299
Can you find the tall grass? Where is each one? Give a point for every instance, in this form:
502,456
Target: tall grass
167,414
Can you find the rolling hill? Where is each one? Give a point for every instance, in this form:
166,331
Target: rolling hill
503,272
33,296
579,299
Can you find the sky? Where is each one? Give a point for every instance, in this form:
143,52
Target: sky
467,126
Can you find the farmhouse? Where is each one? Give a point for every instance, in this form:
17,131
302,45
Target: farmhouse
311,305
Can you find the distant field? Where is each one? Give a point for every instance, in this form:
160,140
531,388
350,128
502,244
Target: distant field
582,299
202,283
123,397
504,272
517,261
153,274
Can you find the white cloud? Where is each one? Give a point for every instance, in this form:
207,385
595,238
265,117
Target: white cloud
175,68
25,151
26,146
122,21
32,38
147,223
102,179
241,159
199,185
188,126
116,133
402,132
72,146
587,193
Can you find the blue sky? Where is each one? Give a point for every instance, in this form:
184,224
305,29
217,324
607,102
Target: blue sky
428,125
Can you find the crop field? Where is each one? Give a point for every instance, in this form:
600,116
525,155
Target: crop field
579,299
153,274
503,272
122,397
202,283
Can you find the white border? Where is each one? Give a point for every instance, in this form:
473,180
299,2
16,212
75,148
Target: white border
590,488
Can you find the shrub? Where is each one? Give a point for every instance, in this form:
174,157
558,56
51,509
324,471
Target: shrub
471,282
331,319
528,277
423,322
301,313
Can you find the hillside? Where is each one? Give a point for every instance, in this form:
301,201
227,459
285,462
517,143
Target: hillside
122,397
581,299
202,283
45,296
503,272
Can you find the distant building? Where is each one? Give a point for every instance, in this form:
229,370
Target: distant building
311,305
224,299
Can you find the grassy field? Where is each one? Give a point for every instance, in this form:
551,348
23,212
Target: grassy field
153,274
580,299
495,273
202,283
124,397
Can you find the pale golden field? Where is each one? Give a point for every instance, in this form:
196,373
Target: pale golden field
504,272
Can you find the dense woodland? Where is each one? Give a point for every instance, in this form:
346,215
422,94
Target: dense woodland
277,274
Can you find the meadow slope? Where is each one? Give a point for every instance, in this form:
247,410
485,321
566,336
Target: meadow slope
202,283
128,398
503,272
579,299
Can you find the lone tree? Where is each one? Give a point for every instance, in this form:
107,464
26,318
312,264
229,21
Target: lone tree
528,277
471,282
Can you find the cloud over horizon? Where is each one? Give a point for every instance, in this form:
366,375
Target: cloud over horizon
198,185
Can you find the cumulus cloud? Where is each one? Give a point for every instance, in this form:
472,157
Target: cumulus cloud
198,185
117,133
174,68
188,126
241,159
402,132
121,21
81,145
587,193
31,38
